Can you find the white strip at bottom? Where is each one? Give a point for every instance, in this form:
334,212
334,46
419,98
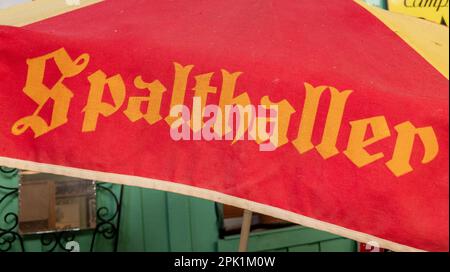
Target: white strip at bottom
205,194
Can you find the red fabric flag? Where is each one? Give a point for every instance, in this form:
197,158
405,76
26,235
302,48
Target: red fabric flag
361,142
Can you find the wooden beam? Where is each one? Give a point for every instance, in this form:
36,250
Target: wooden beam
245,230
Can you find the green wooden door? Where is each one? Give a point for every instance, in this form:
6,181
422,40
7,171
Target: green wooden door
159,221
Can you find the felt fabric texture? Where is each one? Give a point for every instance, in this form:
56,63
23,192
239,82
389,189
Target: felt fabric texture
278,46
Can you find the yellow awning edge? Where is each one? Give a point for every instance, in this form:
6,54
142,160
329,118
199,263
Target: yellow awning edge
429,39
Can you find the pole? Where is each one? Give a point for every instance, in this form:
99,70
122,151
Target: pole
245,230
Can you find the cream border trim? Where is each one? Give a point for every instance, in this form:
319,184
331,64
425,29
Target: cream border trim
205,194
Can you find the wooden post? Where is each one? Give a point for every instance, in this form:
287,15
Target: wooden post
245,230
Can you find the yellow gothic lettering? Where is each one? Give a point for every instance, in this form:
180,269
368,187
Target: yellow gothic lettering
284,110
406,133
179,88
202,89
152,115
231,111
95,106
59,94
240,118
356,142
227,98
327,147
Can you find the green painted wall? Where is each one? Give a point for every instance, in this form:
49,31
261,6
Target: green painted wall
378,3
159,221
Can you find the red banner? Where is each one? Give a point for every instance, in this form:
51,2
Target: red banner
344,126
